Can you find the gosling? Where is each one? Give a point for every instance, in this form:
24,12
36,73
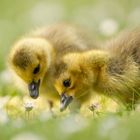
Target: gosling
113,70
33,57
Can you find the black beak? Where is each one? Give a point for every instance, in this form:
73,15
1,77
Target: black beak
34,89
65,100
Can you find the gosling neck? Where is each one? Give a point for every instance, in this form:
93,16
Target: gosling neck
95,63
50,53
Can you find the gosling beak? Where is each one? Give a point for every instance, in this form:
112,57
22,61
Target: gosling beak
34,89
65,100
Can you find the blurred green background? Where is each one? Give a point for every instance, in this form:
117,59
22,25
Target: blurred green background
103,17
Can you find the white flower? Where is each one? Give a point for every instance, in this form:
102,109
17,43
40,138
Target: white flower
3,117
28,106
6,76
46,12
107,125
27,136
18,123
94,106
108,27
45,115
3,101
72,124
110,128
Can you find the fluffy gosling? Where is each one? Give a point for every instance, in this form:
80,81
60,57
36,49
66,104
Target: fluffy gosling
34,56
113,71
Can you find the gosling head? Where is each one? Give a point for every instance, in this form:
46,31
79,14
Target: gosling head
30,59
72,79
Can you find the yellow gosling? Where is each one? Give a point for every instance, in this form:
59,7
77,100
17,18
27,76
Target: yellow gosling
113,71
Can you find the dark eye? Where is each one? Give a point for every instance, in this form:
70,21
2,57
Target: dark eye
67,83
36,70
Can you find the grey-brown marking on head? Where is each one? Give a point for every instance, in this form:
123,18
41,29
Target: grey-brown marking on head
60,67
21,58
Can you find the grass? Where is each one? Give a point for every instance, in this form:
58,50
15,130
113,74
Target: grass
73,127
20,121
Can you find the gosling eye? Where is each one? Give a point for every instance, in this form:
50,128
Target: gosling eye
67,83
36,70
